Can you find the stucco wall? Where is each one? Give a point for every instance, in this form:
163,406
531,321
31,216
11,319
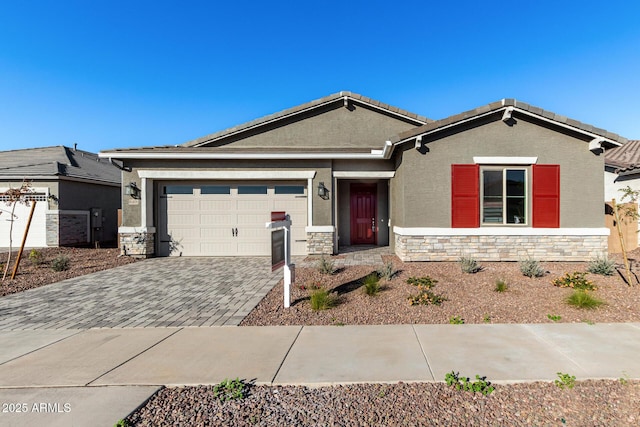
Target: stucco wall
421,191
332,126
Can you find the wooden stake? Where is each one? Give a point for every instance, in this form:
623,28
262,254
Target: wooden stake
624,251
24,240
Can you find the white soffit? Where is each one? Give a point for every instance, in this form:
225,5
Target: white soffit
500,160
230,175
364,174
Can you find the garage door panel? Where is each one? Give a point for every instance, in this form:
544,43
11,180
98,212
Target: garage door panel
37,236
204,223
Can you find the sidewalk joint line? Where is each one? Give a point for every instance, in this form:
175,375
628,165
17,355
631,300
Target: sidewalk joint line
286,355
553,347
130,359
424,354
44,346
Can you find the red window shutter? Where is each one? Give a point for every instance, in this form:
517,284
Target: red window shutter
465,196
546,196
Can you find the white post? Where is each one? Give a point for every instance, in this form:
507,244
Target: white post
287,262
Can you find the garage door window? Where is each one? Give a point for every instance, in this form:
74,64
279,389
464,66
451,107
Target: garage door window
215,189
178,189
289,189
252,189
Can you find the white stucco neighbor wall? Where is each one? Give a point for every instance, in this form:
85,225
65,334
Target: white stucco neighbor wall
614,183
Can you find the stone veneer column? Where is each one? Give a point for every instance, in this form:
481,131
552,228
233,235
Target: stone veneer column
137,244
320,243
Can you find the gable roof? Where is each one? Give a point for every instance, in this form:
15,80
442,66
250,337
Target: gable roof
343,96
54,162
510,106
626,158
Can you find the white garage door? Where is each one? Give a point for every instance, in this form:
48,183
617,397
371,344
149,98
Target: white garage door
37,236
227,219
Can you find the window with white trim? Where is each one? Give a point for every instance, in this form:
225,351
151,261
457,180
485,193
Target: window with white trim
504,194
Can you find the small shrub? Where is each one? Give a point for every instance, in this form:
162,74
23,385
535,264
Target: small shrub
122,423
424,295
60,263
501,286
565,380
486,318
575,280
387,271
553,317
36,257
582,299
480,385
371,284
531,268
469,265
456,320
326,266
230,390
321,299
603,266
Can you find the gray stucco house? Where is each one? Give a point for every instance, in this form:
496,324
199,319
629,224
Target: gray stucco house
501,182
77,197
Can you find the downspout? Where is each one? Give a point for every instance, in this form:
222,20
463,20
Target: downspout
122,168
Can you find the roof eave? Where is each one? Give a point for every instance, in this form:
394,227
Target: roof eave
374,154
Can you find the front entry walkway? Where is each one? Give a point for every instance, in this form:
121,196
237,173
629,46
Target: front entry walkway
157,292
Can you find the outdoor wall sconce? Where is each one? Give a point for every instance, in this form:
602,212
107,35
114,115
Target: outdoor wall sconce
323,192
132,190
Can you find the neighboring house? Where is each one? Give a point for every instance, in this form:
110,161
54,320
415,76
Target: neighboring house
621,170
77,197
500,182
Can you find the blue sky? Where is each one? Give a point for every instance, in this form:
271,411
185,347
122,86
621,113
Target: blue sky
116,74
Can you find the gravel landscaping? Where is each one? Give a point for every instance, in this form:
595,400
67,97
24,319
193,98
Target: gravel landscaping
589,403
81,261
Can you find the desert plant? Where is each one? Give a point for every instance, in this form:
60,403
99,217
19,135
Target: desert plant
321,299
575,280
371,284
60,263
122,423
501,286
12,197
326,266
531,268
602,265
387,271
486,318
230,390
456,320
469,265
424,295
554,317
480,385
36,257
582,299
565,380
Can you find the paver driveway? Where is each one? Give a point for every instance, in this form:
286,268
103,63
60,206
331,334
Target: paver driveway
155,292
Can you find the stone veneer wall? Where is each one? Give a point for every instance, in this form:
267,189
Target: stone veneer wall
137,244
53,226
320,243
500,248
66,228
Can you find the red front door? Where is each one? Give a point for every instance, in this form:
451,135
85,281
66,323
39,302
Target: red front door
363,214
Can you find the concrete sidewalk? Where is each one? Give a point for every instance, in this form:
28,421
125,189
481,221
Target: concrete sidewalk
139,360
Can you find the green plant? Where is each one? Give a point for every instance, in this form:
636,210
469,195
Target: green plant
230,390
36,257
575,280
122,423
371,284
424,295
486,318
554,317
469,265
602,265
531,268
387,271
624,379
501,286
326,266
321,299
582,299
456,320
480,385
565,380
60,263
